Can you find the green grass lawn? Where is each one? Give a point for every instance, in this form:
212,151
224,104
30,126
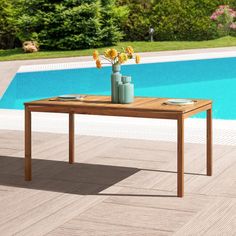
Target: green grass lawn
18,54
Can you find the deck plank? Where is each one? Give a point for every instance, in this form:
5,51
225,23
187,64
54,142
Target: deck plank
87,228
116,187
219,219
165,220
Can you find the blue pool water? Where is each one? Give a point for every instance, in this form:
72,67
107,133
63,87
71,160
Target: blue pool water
211,79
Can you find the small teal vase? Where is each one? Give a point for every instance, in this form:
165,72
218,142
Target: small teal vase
126,90
115,82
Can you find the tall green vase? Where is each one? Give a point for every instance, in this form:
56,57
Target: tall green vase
115,82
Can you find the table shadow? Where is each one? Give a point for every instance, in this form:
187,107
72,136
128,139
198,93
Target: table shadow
60,176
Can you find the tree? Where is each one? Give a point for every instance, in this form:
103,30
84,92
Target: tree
112,18
138,23
67,24
7,26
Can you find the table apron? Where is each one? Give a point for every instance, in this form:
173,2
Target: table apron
198,110
106,112
117,112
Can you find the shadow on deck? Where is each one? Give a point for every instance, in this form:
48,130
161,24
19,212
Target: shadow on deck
59,176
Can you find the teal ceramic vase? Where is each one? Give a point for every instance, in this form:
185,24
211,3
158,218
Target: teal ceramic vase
126,90
115,82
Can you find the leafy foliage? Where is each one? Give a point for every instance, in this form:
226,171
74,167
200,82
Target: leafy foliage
171,19
183,20
80,24
111,16
224,17
136,26
68,24
7,27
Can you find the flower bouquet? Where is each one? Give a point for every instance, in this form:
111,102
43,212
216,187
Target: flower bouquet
116,58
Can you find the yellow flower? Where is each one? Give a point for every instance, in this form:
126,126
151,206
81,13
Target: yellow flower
107,53
137,59
129,50
98,63
122,57
113,53
95,55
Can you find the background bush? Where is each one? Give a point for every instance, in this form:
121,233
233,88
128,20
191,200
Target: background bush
182,20
78,24
69,24
7,24
172,19
136,26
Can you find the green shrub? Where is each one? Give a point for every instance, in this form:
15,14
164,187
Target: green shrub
224,18
183,20
7,26
136,26
171,19
78,24
111,18
67,24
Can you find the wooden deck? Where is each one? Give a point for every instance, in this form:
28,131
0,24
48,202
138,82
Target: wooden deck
117,187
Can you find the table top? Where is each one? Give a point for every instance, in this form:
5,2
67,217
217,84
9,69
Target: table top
104,102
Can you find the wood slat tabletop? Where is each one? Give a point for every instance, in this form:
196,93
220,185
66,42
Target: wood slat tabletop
139,104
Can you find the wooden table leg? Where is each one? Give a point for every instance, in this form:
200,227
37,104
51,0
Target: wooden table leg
209,142
71,138
180,157
28,172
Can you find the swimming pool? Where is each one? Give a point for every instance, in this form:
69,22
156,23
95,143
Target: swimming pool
211,79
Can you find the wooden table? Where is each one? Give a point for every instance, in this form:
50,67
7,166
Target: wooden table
141,107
